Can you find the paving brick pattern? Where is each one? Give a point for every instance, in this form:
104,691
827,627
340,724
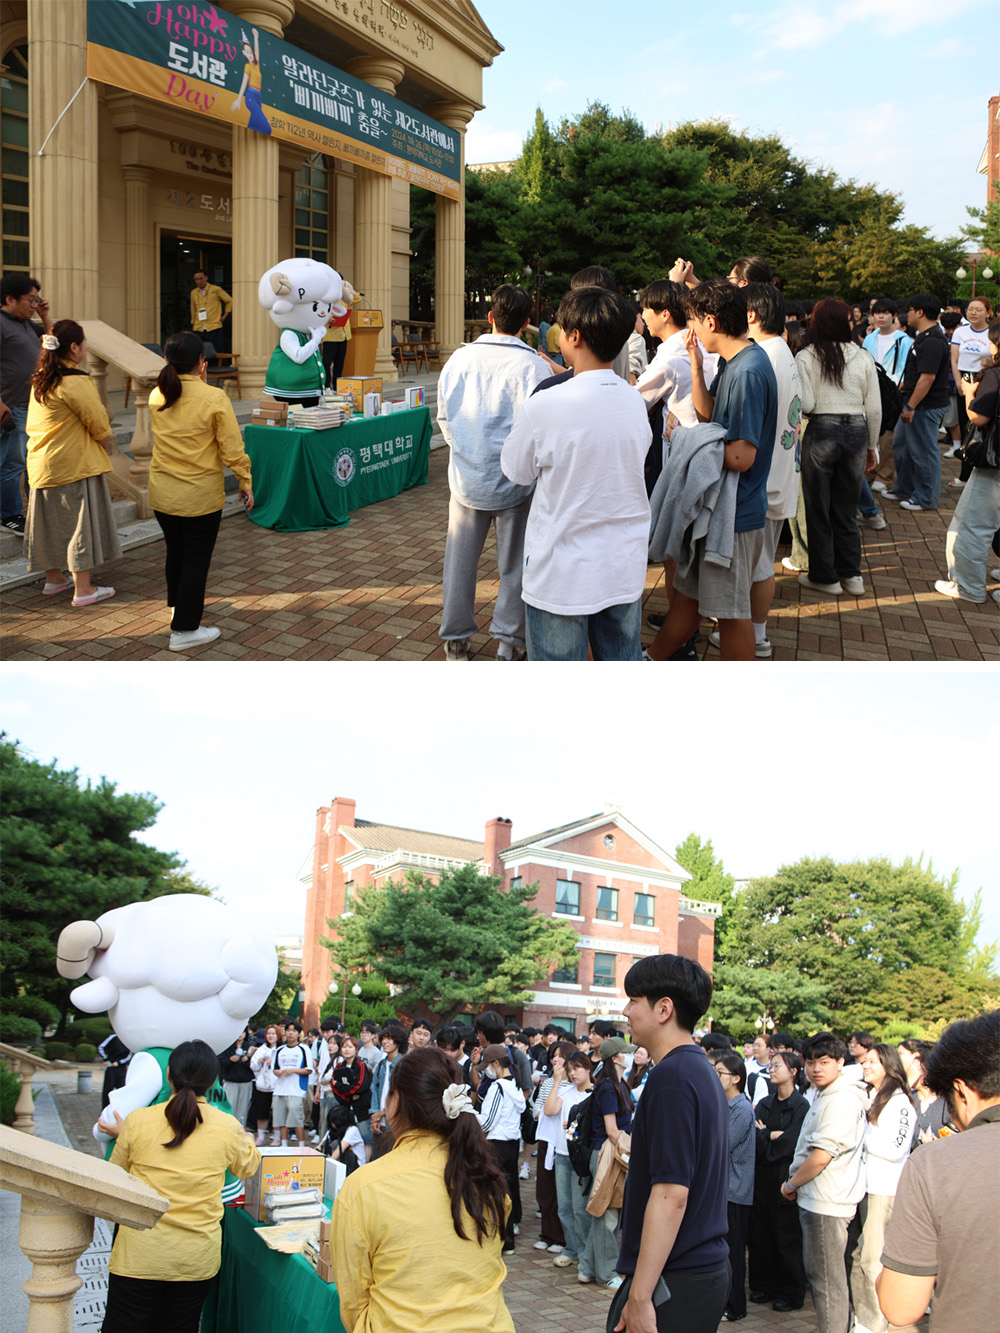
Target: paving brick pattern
372,592
540,1298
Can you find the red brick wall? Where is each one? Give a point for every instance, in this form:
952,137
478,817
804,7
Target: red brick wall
697,939
325,899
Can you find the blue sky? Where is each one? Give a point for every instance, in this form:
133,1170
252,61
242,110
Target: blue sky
889,91
772,766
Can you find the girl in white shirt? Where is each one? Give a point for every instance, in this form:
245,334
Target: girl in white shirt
571,1072
892,1119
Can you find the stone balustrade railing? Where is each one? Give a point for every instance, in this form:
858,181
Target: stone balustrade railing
129,478
25,1067
62,1191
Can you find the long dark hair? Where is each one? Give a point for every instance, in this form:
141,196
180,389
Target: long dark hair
793,1063
829,330
608,1069
192,1069
182,352
472,1178
50,369
894,1081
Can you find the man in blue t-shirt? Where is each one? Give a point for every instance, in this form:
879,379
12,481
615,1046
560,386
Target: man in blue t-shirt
744,399
674,1218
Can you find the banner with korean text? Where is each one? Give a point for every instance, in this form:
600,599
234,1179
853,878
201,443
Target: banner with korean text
199,57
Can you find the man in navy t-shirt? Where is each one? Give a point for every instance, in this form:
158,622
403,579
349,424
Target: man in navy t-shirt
746,403
674,1219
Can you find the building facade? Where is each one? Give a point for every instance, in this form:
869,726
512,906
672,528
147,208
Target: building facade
113,200
621,893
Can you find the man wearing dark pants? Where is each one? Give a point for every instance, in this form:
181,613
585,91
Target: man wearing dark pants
674,1219
827,1177
925,401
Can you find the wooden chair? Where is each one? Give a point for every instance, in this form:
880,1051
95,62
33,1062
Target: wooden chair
153,347
413,349
432,352
219,373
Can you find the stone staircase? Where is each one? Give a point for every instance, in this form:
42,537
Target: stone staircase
133,531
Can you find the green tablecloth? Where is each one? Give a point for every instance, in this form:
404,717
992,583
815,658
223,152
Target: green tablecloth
307,479
261,1291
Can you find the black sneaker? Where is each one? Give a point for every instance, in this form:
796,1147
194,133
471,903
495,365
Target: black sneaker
655,619
14,525
686,652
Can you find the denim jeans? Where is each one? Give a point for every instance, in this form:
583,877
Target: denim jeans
976,519
599,1257
833,468
13,452
867,504
613,634
918,458
824,1243
572,1203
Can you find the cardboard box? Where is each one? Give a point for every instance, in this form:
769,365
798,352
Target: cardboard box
334,1175
283,1170
415,397
357,387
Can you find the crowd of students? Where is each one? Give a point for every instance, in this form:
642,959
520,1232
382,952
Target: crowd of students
676,434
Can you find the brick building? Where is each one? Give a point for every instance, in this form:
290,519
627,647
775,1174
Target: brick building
622,893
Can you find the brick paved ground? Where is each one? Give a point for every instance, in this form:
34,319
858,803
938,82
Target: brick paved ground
539,1297
372,591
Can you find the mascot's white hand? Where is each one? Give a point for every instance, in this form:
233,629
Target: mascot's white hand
318,334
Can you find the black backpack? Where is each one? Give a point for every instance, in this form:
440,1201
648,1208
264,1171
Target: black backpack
890,397
579,1134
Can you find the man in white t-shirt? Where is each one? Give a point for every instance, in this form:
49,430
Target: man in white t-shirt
292,1067
890,346
766,322
585,443
479,392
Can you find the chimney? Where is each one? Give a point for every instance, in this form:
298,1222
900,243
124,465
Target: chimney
497,840
341,812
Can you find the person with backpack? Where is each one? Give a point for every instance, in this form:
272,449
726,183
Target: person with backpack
610,1116
890,346
569,1101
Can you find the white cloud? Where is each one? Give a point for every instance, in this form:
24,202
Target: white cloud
554,85
484,144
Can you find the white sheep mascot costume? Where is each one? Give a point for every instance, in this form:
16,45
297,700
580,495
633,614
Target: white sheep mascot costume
168,970
300,295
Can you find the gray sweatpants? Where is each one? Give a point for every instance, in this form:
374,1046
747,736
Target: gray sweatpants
467,533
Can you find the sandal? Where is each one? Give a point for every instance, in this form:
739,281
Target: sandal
51,589
98,595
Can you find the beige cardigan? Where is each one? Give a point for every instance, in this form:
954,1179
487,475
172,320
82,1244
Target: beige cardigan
857,396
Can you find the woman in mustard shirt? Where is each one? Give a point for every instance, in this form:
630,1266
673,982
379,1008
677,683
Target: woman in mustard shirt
70,518
195,436
416,1235
182,1148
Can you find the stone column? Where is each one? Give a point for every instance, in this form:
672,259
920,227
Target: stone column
53,1238
139,268
64,181
255,215
373,219
449,240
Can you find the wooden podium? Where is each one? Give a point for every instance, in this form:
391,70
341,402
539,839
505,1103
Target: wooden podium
366,325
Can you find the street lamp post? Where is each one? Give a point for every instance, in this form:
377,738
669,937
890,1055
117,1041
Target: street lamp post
355,991
961,274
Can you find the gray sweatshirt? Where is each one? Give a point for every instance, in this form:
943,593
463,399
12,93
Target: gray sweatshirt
836,1124
694,497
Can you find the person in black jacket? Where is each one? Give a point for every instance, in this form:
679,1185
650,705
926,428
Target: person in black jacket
236,1076
775,1236
351,1084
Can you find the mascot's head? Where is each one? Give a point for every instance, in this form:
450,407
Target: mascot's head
170,970
301,294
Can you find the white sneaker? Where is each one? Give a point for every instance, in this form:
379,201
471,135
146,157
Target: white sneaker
525,1172
854,586
539,1245
949,588
555,1249
879,486
952,452
832,589
914,508
180,639
995,573
786,563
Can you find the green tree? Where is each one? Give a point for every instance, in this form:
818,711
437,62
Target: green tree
744,995
69,853
710,883
464,940
375,1003
983,231
854,927
878,257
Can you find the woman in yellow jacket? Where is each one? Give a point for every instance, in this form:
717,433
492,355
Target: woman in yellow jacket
159,1279
70,518
195,436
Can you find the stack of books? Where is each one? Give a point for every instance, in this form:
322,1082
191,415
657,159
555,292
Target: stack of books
318,418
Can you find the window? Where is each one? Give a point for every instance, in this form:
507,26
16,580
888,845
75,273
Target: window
567,897
644,909
312,210
565,974
516,882
604,969
14,133
348,892
607,904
